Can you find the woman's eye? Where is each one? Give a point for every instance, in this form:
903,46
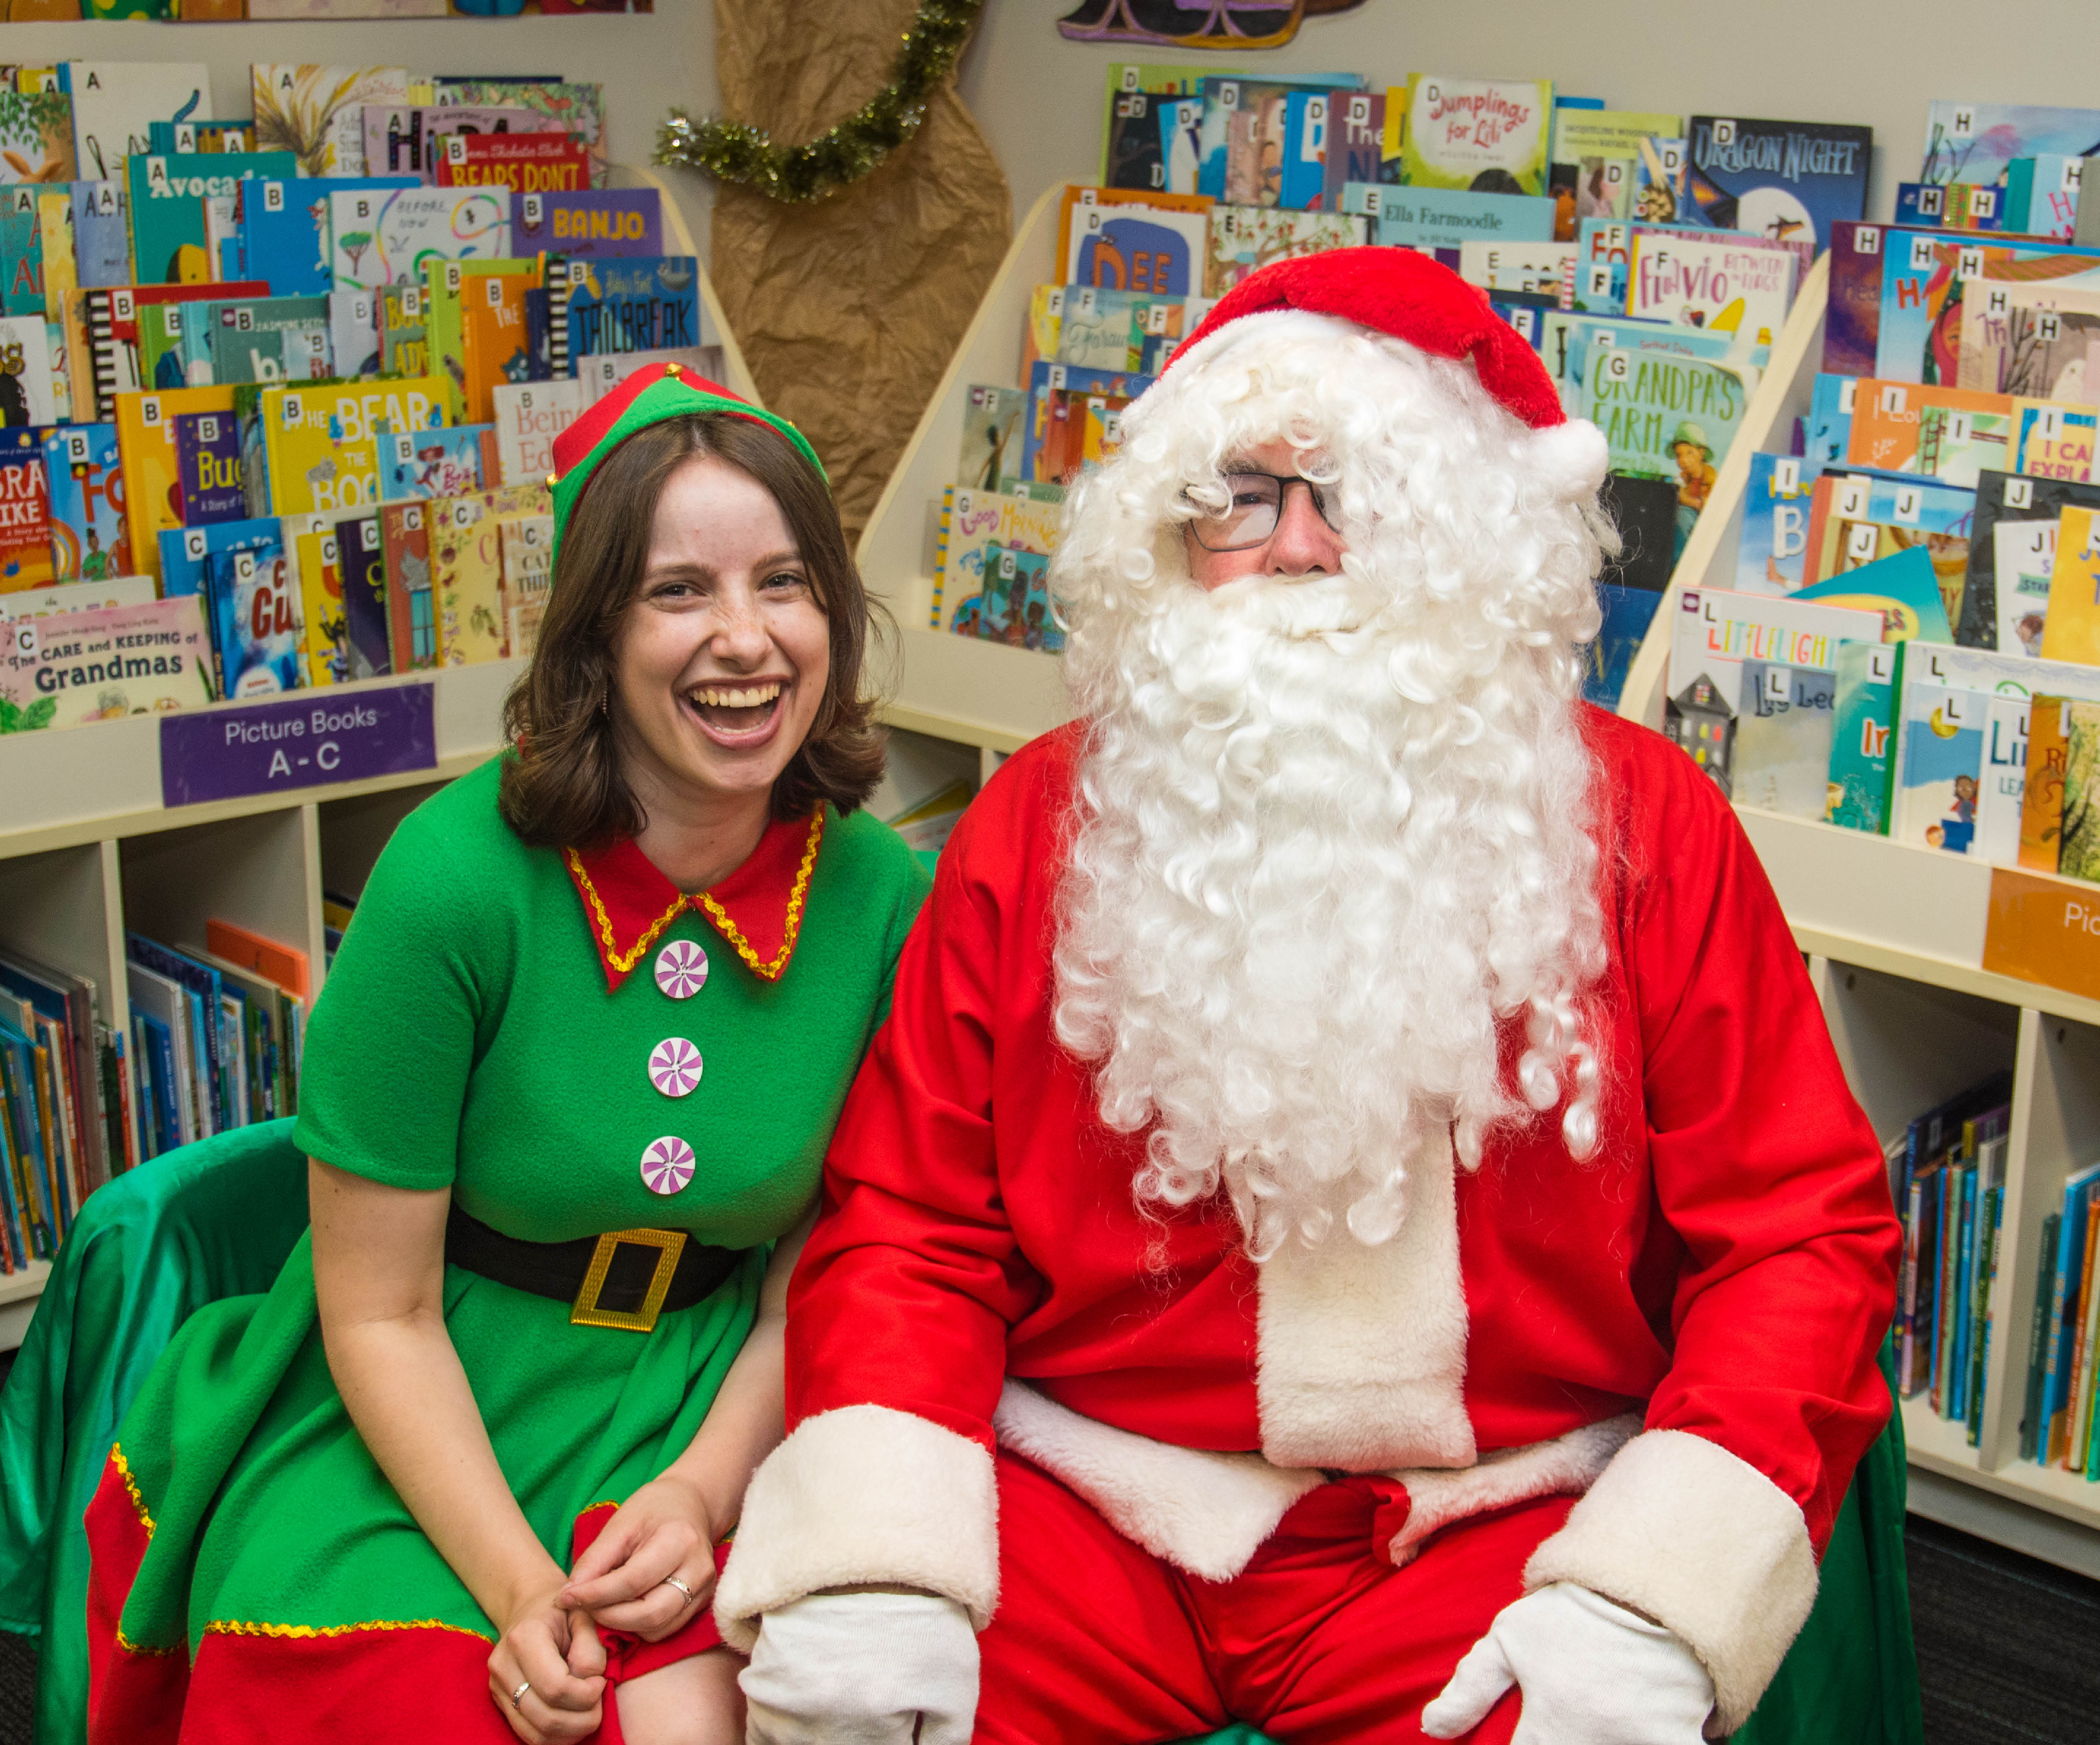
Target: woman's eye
786,579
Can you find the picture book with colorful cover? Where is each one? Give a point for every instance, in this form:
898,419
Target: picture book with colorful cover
1594,152
2024,562
378,240
1529,268
1952,435
201,135
2000,497
116,103
78,596
1660,194
2071,631
362,559
592,223
1862,735
409,140
318,112
164,198
467,570
1128,79
1243,238
411,619
444,462
525,163
1977,142
1925,278
1791,181
208,468
528,417
636,305
323,442
1667,417
452,288
576,109
1903,587
2054,439
599,376
27,393
1126,241
494,348
253,603
1356,144
990,459
1309,124
1012,604
251,339
1236,106
1438,217
1784,732
185,552
152,477
36,138
1490,134
285,229
1721,284
316,573
1857,519
25,516
2052,342
102,243
1774,542
103,664
86,481
974,522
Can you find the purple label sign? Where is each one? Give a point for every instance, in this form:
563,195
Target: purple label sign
302,740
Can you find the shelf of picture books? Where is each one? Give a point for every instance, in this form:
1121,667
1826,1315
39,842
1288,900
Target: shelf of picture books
1651,258
277,400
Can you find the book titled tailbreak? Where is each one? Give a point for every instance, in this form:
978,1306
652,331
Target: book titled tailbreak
640,305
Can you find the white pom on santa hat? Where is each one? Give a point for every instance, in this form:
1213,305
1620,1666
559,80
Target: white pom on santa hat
1571,457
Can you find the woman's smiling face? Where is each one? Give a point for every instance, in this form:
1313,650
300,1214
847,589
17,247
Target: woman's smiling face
722,659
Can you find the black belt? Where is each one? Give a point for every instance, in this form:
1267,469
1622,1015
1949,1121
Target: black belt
625,1277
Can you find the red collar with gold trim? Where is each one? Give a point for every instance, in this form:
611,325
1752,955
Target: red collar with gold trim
757,909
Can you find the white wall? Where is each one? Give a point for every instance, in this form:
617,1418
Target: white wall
647,62
1879,62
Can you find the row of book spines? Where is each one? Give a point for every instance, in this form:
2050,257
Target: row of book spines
1953,1204
46,1170
2059,1427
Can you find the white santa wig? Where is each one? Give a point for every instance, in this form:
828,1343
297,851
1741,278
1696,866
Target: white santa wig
1332,831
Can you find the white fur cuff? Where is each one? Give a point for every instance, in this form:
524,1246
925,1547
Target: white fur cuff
863,1494
1703,1543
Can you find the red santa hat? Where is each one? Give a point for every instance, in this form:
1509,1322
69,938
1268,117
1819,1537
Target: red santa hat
1408,297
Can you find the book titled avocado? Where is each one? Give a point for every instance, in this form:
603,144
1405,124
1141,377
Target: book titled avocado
165,205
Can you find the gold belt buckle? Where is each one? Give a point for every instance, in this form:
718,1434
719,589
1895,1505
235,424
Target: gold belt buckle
585,1312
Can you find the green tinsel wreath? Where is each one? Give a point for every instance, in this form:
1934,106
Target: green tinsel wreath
732,151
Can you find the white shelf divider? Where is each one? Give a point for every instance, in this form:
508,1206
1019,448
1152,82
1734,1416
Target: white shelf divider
958,687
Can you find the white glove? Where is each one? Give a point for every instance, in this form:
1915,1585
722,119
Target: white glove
863,1669
1591,1672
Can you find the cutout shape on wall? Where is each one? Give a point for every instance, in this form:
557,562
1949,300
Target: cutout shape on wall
1195,23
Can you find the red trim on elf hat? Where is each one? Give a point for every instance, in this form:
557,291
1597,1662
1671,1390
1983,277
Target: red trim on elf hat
1399,292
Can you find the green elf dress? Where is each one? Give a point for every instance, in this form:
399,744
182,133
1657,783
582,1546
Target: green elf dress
574,1048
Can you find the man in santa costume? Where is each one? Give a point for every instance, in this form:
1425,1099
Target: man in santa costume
1354,1224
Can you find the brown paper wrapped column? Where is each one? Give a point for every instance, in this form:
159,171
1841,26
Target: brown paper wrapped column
848,308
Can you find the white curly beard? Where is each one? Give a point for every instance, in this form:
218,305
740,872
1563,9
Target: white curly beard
1331,834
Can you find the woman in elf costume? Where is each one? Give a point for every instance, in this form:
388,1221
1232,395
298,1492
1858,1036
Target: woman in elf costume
462,1471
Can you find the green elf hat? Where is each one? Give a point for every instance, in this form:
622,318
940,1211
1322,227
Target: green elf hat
649,396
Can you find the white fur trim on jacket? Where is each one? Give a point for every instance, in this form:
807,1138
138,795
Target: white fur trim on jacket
1568,1466
863,1494
1703,1543
1362,1363
1202,1511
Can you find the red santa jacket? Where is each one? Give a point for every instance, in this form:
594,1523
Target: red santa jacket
1723,1268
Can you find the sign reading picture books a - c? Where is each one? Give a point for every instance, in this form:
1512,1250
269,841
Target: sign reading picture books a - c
306,740
2044,929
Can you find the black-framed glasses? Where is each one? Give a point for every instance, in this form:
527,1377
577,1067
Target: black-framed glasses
1253,510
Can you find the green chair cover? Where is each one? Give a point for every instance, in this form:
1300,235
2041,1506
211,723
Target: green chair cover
211,1220
218,1218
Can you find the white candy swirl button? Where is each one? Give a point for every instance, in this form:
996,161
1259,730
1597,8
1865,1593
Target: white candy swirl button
674,1067
681,969
667,1165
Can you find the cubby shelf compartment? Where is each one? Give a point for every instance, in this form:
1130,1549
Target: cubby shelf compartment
957,687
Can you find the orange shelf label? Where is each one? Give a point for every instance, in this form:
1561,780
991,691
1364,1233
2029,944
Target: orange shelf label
2044,929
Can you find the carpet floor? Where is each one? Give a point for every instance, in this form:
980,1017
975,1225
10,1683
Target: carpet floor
2003,1648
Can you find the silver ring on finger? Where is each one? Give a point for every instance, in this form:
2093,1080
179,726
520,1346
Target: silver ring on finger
672,1581
518,1696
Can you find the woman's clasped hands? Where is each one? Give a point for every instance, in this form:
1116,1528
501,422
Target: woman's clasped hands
649,1573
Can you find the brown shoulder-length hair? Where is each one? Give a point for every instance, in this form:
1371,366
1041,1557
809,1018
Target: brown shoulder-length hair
565,788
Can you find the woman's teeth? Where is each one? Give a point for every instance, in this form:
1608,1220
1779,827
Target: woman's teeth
715,696
735,708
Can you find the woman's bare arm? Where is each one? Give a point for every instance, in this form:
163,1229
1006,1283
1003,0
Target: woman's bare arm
379,1282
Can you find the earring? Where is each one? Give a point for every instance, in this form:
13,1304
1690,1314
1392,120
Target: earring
604,697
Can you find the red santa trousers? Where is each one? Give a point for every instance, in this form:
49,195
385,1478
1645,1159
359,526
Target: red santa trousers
1319,1639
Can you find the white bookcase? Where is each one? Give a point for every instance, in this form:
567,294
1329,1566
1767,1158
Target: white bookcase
1894,936
87,850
